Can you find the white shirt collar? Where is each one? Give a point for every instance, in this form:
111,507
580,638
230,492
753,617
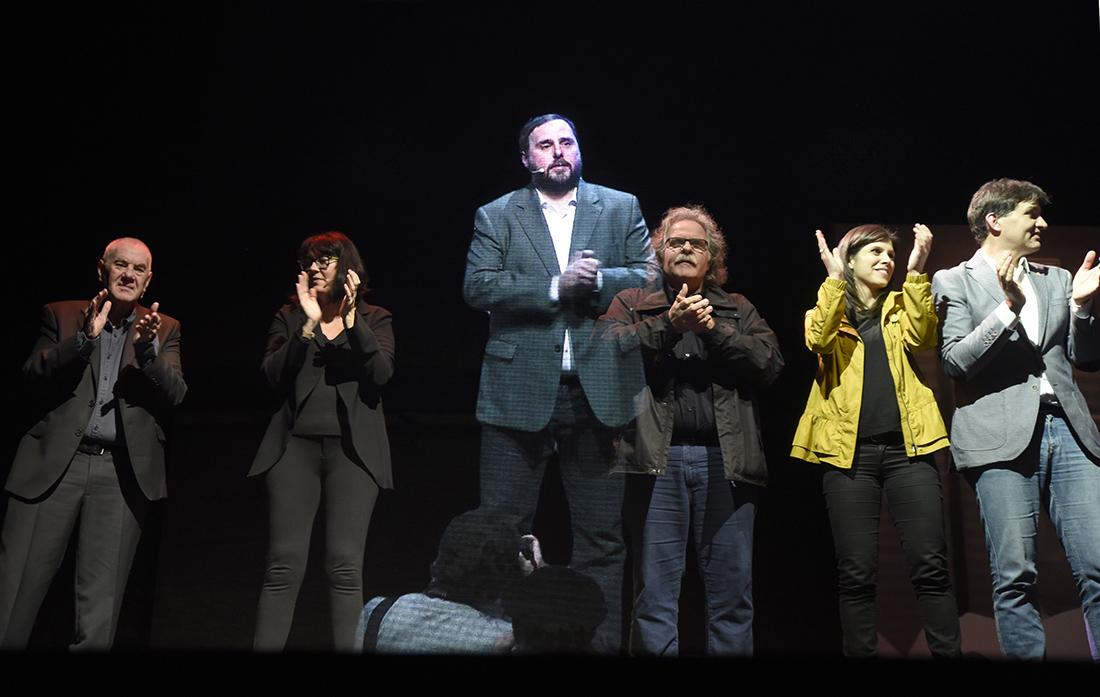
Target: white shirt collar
1022,267
545,202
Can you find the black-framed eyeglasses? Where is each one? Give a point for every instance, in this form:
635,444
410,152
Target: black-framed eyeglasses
322,262
697,243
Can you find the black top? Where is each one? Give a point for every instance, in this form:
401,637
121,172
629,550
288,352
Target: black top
694,413
318,415
879,412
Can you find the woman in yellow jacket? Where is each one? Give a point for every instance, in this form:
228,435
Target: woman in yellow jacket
874,422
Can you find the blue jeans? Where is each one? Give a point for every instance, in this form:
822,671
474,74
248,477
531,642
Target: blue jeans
1054,471
693,494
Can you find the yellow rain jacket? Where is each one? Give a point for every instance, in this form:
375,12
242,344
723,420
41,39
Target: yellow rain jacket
827,430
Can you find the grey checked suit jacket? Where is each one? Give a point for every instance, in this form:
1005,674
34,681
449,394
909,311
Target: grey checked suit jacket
997,370
508,272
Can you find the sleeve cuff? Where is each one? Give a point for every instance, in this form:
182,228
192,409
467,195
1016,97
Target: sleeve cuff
146,352
1081,311
84,345
1008,318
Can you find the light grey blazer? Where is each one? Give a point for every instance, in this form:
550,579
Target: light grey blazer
997,370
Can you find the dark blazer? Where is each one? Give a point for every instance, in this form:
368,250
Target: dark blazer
291,371
508,273
64,384
997,370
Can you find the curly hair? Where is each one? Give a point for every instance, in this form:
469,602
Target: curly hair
716,241
478,559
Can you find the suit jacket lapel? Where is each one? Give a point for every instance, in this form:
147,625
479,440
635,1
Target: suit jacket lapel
528,213
93,360
589,210
128,345
309,376
986,277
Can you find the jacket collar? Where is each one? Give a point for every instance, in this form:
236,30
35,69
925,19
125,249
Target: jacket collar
1038,274
528,212
979,268
127,346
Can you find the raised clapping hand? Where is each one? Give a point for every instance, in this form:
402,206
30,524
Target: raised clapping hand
690,313
922,245
307,300
580,276
95,318
1006,274
834,265
533,559
147,326
1086,281
351,296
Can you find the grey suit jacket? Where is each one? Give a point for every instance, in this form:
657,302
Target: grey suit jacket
997,370
62,385
508,273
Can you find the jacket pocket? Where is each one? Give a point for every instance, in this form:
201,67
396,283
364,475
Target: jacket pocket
500,349
728,316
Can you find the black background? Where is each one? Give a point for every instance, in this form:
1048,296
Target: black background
223,134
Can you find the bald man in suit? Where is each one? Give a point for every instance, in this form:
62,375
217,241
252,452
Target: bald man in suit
102,375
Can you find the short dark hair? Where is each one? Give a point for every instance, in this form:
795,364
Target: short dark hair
555,610
336,244
478,558
525,132
716,241
1000,197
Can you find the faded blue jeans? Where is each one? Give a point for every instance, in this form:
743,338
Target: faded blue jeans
1054,471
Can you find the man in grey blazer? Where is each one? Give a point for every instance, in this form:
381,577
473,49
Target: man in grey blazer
101,376
1022,434
545,262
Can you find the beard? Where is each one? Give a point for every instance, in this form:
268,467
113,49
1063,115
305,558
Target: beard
553,183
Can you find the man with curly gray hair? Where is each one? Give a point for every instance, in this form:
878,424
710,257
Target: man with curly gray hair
693,452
